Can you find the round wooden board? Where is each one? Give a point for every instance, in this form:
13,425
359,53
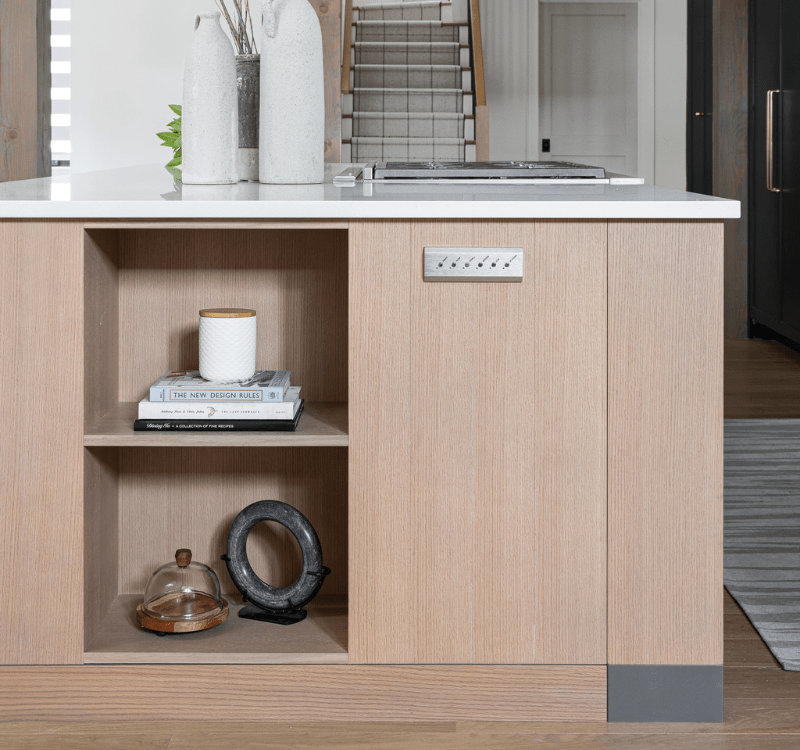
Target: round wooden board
203,622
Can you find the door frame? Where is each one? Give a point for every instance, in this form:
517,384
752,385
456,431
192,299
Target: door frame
646,85
630,65
700,97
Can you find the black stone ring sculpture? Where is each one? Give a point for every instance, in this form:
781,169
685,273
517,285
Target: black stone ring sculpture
281,605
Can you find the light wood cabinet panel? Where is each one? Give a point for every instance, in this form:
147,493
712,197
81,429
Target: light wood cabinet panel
570,323
312,693
504,564
10,563
381,567
492,540
443,458
41,555
665,442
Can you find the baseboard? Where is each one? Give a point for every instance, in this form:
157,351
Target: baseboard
668,693
283,693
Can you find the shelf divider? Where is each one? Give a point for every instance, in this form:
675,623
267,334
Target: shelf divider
321,425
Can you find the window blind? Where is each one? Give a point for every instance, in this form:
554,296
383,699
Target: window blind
61,91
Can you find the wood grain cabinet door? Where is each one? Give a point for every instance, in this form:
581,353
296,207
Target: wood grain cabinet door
41,444
478,448
665,447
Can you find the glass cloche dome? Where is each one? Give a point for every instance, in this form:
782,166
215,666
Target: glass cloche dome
182,596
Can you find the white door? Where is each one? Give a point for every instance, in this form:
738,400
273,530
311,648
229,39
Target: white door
588,84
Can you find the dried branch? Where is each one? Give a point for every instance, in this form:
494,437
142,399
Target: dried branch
242,29
252,32
221,5
245,41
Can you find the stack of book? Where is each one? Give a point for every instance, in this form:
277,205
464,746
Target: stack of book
182,400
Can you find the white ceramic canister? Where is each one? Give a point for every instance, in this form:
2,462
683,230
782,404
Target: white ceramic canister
227,344
292,140
210,124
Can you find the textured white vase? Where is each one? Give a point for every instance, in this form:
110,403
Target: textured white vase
210,120
292,139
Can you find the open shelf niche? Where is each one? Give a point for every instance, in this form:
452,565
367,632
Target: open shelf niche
147,494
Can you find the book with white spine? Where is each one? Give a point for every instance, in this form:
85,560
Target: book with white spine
266,386
201,410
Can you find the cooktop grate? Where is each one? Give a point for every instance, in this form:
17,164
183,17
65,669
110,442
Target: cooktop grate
443,170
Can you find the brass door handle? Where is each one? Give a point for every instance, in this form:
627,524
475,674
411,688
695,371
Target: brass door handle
770,165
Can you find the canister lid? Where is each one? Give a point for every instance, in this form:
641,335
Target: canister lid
227,312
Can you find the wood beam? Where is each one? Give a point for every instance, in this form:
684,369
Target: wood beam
24,89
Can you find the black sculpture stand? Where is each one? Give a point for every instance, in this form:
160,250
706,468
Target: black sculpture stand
283,606
252,612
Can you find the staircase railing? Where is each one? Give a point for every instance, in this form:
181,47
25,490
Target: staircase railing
347,43
481,110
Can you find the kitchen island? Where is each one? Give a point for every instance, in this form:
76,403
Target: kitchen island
517,486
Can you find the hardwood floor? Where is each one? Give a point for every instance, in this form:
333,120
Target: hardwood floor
762,380
762,702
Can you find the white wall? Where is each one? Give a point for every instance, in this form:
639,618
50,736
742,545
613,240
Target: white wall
127,66
510,38
511,58
671,24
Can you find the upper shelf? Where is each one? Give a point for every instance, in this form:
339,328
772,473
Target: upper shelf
322,424
148,192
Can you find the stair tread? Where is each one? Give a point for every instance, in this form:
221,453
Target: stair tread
406,22
413,140
416,66
413,115
448,45
376,90
406,4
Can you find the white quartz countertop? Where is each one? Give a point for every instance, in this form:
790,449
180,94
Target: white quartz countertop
148,192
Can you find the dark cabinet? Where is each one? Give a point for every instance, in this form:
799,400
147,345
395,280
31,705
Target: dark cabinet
775,167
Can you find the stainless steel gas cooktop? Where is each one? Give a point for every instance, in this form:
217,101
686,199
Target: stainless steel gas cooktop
488,170
478,173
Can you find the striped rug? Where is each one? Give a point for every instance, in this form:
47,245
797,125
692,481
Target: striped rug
762,529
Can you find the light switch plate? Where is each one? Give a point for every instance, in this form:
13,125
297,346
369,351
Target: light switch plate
473,264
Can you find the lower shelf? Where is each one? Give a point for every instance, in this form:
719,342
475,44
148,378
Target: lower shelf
322,424
320,639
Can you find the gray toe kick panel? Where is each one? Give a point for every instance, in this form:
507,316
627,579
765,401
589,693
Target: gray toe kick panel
665,693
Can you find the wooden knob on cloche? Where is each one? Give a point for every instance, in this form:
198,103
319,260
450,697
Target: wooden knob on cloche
183,557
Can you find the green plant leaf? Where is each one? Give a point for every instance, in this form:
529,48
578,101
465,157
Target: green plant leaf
176,162
172,137
176,173
171,141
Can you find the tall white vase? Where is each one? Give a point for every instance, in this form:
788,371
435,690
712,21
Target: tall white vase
292,128
210,120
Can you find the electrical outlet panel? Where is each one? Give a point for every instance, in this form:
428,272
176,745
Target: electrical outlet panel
473,264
